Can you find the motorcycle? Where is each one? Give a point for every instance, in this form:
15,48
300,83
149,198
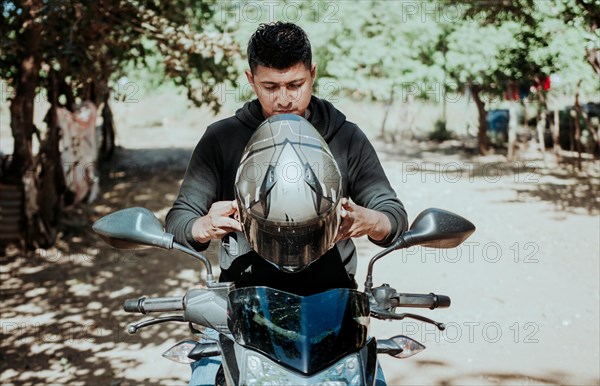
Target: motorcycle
268,336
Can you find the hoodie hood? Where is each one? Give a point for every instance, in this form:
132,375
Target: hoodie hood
323,116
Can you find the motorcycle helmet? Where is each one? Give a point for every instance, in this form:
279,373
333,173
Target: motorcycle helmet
288,192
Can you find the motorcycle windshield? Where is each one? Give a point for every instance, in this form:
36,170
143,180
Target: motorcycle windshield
306,333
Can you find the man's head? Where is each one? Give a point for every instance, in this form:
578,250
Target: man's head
281,69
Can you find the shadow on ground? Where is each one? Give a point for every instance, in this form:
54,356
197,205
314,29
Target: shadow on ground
61,308
532,178
62,318
485,378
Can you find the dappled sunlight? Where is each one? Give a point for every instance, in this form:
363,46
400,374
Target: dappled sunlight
441,83
572,195
527,179
62,316
70,322
62,319
553,378
533,261
442,373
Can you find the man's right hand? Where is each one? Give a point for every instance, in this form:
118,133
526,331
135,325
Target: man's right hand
217,222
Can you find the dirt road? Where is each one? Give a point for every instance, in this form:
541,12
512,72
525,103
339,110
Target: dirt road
524,288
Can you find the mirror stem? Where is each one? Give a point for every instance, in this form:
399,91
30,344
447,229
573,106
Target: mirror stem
399,243
202,258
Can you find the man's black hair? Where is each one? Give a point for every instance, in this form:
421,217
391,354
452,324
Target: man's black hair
279,45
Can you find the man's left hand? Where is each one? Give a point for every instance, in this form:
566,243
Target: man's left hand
359,221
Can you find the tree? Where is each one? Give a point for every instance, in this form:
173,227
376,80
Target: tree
384,53
474,60
72,50
585,16
525,41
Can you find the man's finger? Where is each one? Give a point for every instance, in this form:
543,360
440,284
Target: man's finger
348,206
227,222
224,230
346,224
229,208
343,213
228,230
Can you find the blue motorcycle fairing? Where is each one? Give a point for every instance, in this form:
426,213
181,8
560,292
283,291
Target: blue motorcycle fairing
304,333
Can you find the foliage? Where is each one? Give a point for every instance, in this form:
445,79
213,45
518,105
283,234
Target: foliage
499,45
87,43
383,50
546,37
73,50
370,50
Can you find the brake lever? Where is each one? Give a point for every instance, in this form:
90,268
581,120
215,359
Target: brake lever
380,314
132,328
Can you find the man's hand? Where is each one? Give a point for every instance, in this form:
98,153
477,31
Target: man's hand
217,222
358,221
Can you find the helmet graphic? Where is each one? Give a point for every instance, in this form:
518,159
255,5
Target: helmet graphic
288,191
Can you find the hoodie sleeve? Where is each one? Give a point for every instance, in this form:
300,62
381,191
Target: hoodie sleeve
369,186
199,189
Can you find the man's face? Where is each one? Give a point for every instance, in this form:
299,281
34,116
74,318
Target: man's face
284,91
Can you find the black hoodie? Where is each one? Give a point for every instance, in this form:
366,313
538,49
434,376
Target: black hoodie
210,177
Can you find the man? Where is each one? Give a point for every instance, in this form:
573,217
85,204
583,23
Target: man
282,75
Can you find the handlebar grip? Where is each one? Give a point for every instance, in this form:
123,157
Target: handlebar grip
144,305
430,301
443,301
134,305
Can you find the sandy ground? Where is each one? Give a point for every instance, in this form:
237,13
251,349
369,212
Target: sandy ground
524,288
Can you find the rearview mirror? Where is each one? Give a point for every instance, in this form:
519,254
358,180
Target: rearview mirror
438,228
133,228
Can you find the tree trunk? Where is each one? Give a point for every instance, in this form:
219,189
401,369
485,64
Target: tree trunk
512,130
593,58
577,126
22,104
591,129
571,130
541,118
22,169
51,178
108,130
555,126
483,126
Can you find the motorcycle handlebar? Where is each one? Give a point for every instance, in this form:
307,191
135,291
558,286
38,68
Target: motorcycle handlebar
430,301
144,305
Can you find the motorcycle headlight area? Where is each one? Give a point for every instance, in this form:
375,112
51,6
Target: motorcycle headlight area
259,370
